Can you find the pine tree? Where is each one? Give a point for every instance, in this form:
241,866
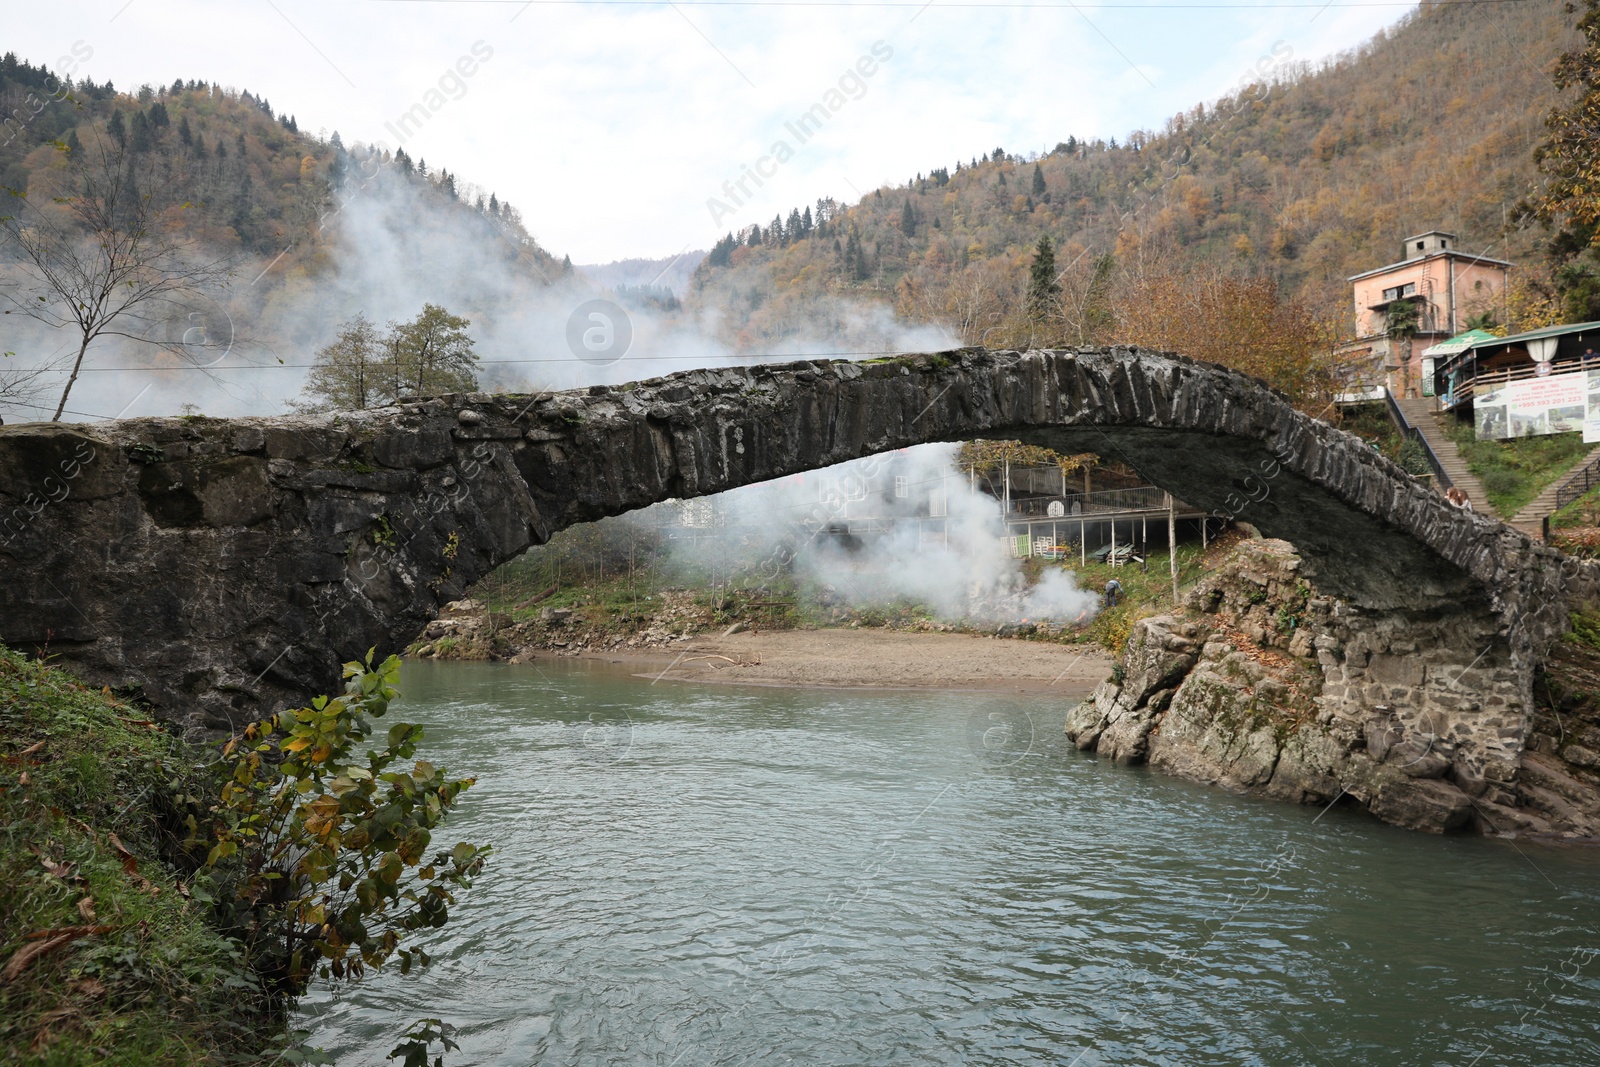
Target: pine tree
74,146
1044,292
908,220
1039,187
117,128
141,140
184,133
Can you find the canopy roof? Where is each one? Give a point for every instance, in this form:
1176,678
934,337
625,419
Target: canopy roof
1460,343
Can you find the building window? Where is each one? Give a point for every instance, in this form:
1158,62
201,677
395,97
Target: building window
1419,246
902,487
1408,289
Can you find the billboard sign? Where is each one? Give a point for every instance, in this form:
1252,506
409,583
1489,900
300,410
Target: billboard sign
1559,403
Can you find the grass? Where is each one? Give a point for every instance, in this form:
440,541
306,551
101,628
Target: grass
1371,422
1514,472
85,783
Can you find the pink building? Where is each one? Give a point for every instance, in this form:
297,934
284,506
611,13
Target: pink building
1446,286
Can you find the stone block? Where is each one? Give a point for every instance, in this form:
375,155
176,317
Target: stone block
422,450
1427,804
1396,670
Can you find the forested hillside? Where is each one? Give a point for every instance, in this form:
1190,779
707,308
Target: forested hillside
310,231
1305,178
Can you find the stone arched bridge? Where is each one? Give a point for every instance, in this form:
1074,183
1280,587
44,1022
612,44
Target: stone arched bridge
228,565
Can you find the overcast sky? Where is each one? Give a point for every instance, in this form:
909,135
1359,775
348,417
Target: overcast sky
611,124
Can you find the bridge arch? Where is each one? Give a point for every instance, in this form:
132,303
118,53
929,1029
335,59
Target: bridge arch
227,566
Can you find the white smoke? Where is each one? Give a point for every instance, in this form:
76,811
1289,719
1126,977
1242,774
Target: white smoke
838,522
389,246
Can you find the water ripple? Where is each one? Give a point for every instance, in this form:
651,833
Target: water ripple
725,876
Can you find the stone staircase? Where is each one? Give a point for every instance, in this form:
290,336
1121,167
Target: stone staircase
1530,520
1419,412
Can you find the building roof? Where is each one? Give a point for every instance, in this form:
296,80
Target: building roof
1430,255
1534,335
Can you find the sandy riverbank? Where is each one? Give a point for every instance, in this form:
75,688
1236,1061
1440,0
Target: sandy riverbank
880,659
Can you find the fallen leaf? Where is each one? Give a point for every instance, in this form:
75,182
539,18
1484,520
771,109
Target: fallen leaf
63,871
28,953
129,864
89,987
23,779
31,749
86,909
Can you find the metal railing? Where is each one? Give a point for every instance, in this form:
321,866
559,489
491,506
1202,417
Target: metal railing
1579,483
1412,433
1470,387
1140,498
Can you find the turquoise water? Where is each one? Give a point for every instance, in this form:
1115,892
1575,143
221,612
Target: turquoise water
718,875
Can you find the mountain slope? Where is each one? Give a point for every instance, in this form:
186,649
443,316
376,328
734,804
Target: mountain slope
1306,178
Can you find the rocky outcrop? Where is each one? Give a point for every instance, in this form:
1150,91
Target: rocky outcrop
224,567
1263,685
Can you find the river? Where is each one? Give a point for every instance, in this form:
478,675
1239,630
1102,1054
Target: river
694,875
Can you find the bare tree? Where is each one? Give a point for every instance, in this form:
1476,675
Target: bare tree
102,256
21,385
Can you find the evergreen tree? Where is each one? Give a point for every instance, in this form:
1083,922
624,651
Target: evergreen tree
158,115
806,225
721,253
74,146
1044,292
754,240
184,133
908,220
117,128
140,140
1039,187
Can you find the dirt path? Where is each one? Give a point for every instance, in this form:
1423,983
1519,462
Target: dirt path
852,659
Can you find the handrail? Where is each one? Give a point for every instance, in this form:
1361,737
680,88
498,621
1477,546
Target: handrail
1407,430
1470,386
1579,483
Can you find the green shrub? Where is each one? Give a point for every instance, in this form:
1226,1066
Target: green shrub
318,847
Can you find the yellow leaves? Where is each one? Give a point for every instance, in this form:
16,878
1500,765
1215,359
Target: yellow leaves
299,744
322,816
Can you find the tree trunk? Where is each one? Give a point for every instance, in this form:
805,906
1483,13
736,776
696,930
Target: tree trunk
77,364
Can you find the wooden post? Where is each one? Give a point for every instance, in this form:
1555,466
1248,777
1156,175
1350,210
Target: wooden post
1172,548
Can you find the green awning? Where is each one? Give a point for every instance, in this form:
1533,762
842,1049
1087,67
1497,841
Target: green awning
1459,343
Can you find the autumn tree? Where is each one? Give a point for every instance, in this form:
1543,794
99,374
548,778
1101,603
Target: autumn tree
352,373
1569,157
1239,322
363,368
433,353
